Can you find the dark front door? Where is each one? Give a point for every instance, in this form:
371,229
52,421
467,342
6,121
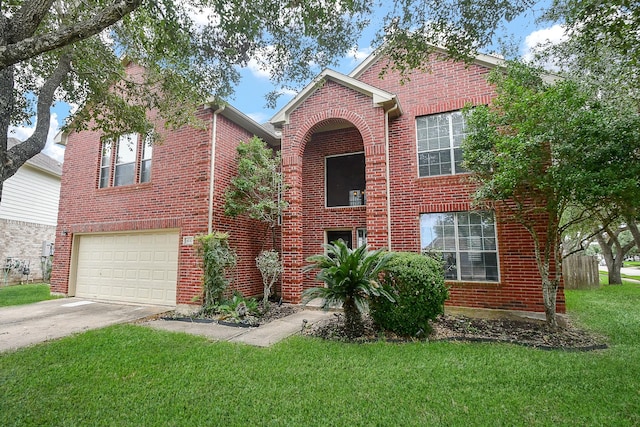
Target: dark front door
344,235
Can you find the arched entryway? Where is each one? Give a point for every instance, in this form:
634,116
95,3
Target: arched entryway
336,188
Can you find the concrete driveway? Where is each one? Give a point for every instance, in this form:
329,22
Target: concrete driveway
25,325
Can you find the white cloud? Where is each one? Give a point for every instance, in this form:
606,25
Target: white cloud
258,69
358,55
288,92
260,65
50,149
537,40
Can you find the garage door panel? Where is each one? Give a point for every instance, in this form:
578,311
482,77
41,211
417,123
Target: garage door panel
135,267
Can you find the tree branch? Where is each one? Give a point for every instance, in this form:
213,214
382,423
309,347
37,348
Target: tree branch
34,46
27,19
20,153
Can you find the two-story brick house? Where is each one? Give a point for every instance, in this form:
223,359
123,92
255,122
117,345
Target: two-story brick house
365,159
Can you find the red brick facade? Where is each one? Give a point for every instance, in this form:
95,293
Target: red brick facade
306,142
177,197
345,114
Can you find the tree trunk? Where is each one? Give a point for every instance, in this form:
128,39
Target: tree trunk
614,275
352,319
609,259
633,228
614,253
549,294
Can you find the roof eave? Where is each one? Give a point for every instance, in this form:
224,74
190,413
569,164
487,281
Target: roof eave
381,98
246,122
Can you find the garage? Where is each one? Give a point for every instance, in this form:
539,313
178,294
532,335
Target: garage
138,267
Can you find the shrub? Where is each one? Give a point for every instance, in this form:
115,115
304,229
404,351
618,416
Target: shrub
416,282
351,278
217,258
239,310
268,262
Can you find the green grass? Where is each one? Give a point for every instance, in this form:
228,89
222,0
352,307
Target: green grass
604,278
130,375
631,263
24,294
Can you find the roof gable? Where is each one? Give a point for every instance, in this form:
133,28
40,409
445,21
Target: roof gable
480,59
379,97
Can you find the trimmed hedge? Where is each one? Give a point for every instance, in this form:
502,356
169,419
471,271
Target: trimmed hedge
416,282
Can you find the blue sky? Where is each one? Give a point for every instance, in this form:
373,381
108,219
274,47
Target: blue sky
255,85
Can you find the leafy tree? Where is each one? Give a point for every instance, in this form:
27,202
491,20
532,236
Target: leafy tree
73,51
615,243
351,277
540,148
257,188
413,27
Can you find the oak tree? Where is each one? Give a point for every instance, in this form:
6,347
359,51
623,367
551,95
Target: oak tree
76,51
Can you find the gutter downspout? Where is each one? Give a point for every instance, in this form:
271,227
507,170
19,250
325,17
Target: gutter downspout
214,125
388,174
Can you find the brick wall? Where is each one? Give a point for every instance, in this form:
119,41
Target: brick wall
448,87
177,197
247,237
23,240
331,106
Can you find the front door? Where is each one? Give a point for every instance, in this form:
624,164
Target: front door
344,235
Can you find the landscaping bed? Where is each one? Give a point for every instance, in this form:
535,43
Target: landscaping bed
275,311
462,328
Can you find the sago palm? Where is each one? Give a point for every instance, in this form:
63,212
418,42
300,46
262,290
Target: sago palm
350,277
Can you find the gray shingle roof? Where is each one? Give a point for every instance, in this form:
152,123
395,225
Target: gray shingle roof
40,161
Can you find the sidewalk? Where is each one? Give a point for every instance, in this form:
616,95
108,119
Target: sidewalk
629,271
262,336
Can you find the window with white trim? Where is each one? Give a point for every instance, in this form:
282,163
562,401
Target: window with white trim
439,138
131,163
467,242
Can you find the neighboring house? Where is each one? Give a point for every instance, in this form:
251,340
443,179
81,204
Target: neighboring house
28,217
368,160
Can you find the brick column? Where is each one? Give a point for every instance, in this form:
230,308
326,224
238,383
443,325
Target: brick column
376,166
292,242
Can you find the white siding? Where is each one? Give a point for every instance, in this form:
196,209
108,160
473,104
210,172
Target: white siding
31,195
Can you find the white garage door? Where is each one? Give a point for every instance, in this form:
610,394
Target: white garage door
133,267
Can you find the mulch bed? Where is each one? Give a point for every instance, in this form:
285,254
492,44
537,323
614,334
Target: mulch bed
276,311
462,328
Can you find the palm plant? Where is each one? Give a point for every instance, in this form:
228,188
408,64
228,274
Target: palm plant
350,277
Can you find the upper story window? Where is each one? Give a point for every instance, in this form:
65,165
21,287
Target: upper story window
131,163
345,180
439,138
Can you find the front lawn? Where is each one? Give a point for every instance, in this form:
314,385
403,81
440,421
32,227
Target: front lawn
24,294
131,375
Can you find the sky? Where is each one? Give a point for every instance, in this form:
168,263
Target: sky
254,85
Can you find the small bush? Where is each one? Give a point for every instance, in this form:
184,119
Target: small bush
217,258
268,262
416,282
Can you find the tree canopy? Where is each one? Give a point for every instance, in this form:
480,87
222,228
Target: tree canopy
76,52
542,147
464,27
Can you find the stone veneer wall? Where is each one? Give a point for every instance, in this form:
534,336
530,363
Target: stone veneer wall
23,240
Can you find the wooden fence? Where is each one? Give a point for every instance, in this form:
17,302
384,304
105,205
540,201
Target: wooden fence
580,272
